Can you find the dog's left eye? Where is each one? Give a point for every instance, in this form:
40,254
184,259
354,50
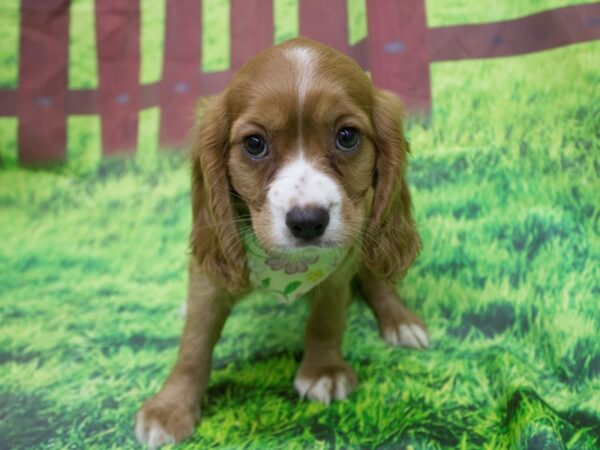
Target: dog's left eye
255,147
347,139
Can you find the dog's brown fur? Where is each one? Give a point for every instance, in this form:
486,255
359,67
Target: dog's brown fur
376,211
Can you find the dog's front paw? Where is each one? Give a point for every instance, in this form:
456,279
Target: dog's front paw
325,383
161,421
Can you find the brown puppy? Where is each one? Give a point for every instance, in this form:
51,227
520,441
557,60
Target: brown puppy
304,155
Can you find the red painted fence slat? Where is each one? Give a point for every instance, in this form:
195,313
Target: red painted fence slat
325,21
360,53
43,80
399,50
118,42
251,29
212,83
181,69
8,103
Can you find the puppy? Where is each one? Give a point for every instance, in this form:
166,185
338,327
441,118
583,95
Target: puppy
298,180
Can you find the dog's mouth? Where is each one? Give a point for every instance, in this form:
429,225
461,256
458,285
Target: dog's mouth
291,245
305,246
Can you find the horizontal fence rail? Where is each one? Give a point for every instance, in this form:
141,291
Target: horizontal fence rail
542,31
398,52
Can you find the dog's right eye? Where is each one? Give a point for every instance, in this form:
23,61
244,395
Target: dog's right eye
255,147
347,139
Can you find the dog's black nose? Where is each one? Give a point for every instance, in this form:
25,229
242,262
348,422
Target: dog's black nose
307,223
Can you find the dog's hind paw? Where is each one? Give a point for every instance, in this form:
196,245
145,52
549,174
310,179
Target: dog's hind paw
406,335
401,327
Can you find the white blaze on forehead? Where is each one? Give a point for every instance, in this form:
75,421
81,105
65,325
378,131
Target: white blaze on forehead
302,58
301,184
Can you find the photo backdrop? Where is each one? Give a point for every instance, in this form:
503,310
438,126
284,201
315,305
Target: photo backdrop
504,103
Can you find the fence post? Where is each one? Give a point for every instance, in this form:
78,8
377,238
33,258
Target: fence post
118,43
326,22
180,70
43,80
399,50
251,29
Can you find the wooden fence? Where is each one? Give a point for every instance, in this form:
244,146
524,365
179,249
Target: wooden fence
398,51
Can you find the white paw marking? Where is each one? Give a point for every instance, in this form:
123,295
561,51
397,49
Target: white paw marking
183,310
412,336
325,389
152,435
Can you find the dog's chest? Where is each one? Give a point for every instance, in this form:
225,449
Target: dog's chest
290,276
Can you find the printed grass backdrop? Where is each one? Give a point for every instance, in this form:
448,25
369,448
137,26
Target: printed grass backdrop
93,261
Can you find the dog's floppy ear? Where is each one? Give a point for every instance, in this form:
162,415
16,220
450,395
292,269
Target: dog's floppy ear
392,242
215,241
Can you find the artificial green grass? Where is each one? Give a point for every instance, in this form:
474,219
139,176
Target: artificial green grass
505,181
83,57
9,36
152,30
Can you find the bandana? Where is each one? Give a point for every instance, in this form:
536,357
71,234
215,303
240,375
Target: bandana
289,275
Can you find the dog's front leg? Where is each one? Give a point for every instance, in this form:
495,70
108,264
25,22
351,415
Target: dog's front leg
172,414
323,374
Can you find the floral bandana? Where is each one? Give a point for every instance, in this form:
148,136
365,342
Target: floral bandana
289,275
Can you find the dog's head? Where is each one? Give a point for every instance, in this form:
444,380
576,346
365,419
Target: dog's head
302,145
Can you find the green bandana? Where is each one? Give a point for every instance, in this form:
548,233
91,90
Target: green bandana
289,275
